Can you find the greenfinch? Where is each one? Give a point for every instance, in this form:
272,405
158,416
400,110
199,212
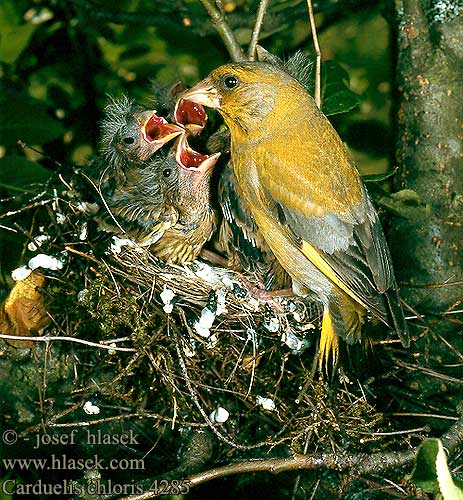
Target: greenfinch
241,239
306,197
239,236
132,133
157,199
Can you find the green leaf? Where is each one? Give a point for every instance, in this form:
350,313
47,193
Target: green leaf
14,36
25,119
431,472
17,173
336,94
449,490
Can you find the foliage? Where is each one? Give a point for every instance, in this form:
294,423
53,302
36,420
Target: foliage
431,472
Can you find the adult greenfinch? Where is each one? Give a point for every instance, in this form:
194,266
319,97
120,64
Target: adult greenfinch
241,239
239,236
306,197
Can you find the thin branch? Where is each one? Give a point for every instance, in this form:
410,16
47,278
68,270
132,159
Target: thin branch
67,339
318,62
256,31
358,464
224,31
126,416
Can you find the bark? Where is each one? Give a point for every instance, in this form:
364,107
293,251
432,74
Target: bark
428,249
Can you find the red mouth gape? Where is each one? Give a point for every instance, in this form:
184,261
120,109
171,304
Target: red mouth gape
156,128
190,113
191,160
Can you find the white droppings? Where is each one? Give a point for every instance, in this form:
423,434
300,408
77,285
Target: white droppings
20,273
38,242
83,232
203,325
253,303
91,409
221,295
212,342
228,282
60,218
219,416
167,296
87,208
272,324
266,403
294,343
119,243
46,262
206,272
189,348
252,336
298,317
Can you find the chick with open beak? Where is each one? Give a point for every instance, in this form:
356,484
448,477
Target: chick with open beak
157,199
132,133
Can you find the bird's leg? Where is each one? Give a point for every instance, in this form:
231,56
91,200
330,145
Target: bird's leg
259,292
213,257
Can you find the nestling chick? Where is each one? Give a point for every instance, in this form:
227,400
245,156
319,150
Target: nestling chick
306,197
131,133
160,200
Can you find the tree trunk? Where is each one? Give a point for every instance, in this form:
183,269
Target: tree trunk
428,249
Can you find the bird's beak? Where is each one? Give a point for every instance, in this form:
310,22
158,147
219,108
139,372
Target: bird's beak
157,131
203,93
191,160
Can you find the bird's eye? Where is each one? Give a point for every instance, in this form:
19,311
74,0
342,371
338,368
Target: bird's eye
128,140
166,172
230,82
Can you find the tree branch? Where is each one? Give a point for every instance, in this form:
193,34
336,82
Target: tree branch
359,464
416,28
318,62
256,31
224,31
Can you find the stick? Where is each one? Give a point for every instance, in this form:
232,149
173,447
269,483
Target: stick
224,31
67,339
256,31
318,63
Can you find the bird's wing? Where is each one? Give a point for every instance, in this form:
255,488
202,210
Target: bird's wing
246,239
349,248
239,235
138,211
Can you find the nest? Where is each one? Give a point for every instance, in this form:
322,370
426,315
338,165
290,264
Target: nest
173,348
196,325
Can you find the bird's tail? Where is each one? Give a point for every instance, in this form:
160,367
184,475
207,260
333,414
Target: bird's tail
343,318
397,318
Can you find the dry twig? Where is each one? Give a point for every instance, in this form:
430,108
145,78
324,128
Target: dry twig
224,31
318,63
